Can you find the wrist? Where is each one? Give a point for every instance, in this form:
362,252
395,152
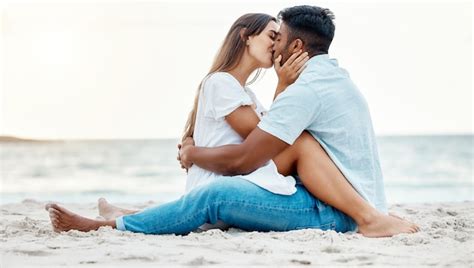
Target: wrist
281,86
190,153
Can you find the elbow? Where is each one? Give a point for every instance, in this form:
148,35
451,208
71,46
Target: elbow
242,165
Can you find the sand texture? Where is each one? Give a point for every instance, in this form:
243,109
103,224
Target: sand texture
27,240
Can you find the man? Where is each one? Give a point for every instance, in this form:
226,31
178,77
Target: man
324,102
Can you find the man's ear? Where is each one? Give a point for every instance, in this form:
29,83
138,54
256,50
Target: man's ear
296,45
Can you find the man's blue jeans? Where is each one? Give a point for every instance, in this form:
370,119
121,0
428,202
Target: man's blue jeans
241,204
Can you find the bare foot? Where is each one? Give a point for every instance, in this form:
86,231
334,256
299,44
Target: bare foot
398,217
386,225
65,220
110,212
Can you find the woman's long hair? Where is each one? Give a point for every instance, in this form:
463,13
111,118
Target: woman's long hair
229,55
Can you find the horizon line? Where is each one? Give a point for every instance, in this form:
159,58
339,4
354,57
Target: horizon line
13,138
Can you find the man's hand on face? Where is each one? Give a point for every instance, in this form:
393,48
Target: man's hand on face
291,69
183,153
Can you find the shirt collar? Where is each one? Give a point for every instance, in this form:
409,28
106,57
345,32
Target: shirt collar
315,59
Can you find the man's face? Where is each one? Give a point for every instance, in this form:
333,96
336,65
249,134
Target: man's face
281,46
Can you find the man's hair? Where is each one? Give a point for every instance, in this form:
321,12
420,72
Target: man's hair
313,25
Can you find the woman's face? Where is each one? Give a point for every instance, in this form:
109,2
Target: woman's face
261,46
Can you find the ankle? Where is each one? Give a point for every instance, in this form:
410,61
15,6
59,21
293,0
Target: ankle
366,217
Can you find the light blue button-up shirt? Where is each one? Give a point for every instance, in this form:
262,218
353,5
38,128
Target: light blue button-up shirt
325,102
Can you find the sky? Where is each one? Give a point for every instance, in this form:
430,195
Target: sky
130,70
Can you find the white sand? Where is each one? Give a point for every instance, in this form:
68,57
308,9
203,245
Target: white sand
446,239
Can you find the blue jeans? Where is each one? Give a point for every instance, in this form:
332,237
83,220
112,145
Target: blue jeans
241,204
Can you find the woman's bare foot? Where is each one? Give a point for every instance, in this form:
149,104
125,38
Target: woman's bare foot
110,212
65,220
398,217
381,225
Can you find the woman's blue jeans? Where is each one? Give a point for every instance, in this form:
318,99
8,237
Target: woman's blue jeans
241,204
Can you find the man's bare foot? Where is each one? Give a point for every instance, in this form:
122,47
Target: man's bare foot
381,225
110,212
65,220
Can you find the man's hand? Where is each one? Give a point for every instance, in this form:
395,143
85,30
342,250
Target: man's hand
183,153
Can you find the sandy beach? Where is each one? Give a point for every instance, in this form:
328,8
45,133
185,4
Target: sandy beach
446,239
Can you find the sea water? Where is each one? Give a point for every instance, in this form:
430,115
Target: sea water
416,169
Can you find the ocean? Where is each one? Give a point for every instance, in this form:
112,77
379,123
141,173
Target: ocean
417,169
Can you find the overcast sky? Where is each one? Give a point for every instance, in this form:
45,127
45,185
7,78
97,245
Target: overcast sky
109,69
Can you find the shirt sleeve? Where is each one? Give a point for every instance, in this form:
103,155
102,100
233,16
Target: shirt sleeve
260,110
222,95
291,113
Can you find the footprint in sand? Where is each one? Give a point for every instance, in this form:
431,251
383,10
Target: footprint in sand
200,261
35,253
331,249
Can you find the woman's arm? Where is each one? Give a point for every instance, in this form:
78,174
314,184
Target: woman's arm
243,120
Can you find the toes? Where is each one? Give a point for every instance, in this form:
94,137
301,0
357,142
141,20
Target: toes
52,206
53,213
48,206
55,222
415,228
54,217
62,210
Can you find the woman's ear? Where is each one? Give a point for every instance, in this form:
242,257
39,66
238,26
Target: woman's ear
242,35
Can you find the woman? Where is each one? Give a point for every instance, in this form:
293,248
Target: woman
225,112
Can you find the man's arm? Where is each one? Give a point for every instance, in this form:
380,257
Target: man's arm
256,150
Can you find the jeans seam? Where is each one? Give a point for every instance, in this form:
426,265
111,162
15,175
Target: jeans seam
321,226
195,215
218,203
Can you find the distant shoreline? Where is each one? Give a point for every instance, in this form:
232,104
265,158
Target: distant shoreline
7,138
17,139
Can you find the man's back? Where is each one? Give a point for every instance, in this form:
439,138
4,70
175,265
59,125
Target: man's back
326,103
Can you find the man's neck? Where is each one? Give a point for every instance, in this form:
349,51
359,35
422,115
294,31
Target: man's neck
317,53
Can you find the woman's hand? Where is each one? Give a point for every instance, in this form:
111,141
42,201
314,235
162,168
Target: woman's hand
290,70
183,153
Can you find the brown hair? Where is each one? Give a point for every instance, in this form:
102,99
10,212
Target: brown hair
230,53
